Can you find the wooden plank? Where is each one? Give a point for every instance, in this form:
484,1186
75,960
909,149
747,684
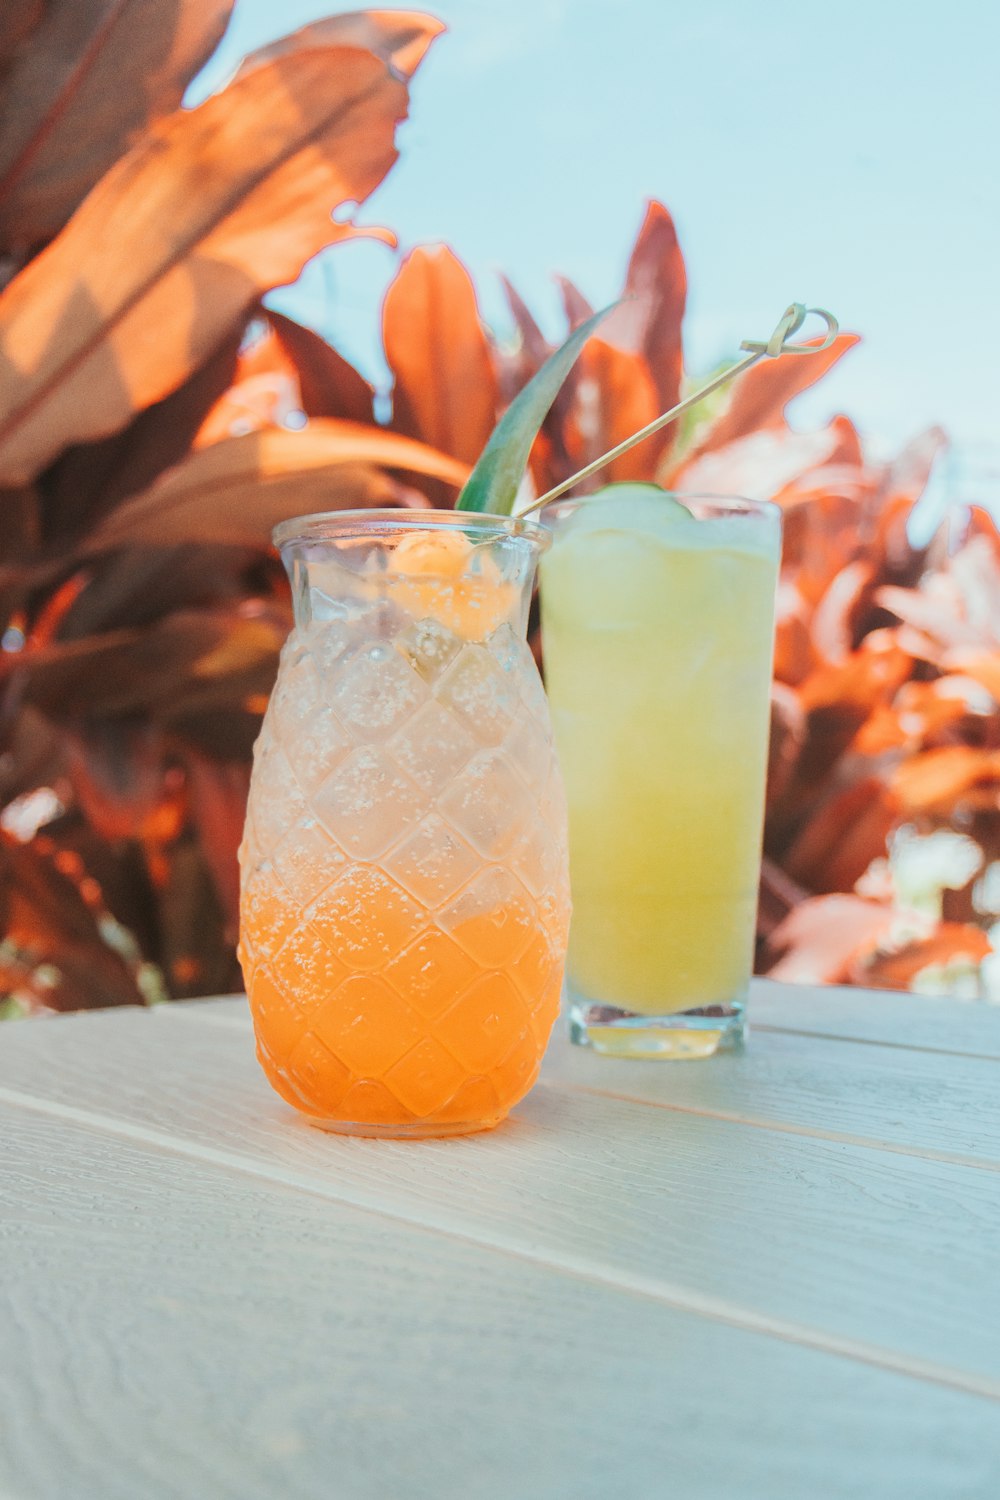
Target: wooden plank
928,1022
945,1107
942,1107
786,1080
816,1240
923,1022
173,1329
232,1010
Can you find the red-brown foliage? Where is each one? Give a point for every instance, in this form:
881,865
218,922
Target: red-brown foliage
146,451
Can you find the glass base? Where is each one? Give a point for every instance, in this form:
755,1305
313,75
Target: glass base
680,1035
419,1130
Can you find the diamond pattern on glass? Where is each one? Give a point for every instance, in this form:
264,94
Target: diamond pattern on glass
431,973
536,969
552,803
298,692
514,655
432,747
375,690
278,800
481,693
307,859
266,910
317,1072
488,1022
403,904
365,918
367,1025
536,859
369,1102
515,1074
528,748
488,804
492,919
315,750
432,863
306,967
428,646
277,1010
426,1078
368,803
506,648
327,642
475,1099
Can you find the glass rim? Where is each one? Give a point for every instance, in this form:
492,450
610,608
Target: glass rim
722,505
337,525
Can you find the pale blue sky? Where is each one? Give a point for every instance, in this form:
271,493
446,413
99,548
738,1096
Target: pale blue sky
841,153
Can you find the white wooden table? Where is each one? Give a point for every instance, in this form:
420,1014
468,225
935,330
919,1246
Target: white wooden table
770,1275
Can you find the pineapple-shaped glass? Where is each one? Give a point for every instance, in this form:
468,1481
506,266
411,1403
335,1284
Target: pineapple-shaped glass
405,896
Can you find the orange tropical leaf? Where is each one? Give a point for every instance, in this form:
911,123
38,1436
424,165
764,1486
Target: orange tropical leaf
250,405
760,396
939,779
982,666
445,389
837,700
919,712
399,37
844,479
97,73
18,20
614,396
89,480
549,460
787,736
832,621
819,538
935,615
49,619
138,585
842,837
133,671
896,968
794,657
235,491
119,778
818,939
264,392
286,370
575,304
894,558
975,572
761,464
33,755
907,474
328,385
870,675
648,321
535,347
101,323
778,895
980,523
51,914
218,792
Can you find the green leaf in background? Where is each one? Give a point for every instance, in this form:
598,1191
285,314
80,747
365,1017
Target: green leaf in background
493,484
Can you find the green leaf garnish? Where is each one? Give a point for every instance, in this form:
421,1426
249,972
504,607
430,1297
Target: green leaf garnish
493,484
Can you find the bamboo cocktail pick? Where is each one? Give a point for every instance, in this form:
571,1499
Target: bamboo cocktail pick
790,322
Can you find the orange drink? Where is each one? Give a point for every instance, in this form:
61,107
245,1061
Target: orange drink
405,899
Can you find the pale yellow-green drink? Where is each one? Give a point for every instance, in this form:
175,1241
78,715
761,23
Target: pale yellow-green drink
657,628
